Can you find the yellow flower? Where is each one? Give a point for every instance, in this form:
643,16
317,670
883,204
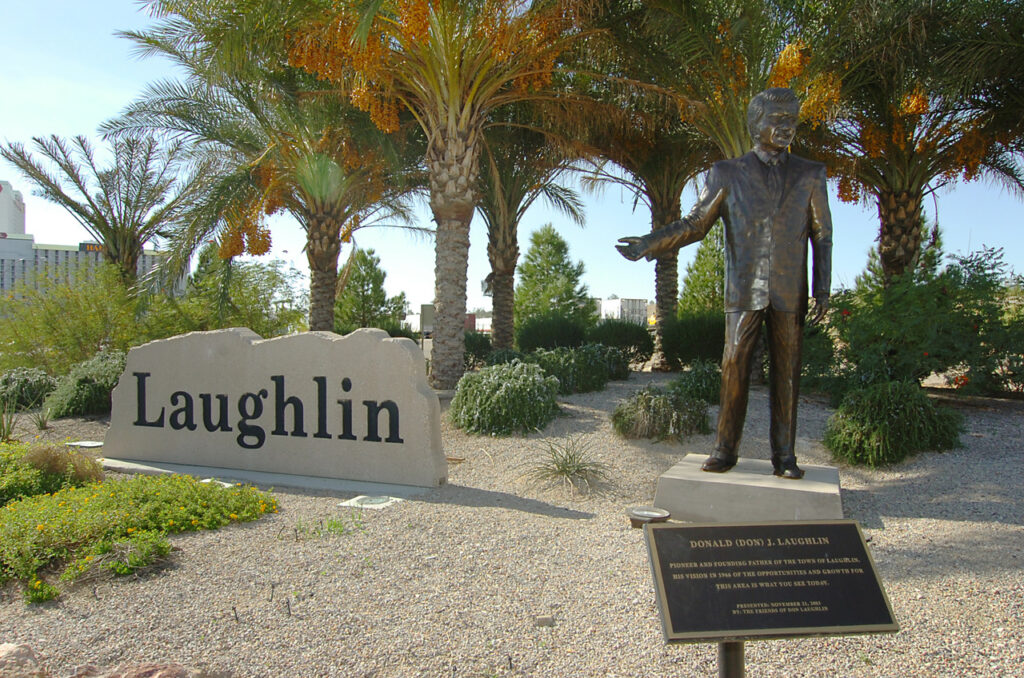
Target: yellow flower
40,527
195,522
170,522
130,530
233,516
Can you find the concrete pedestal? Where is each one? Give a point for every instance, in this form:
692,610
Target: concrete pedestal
747,493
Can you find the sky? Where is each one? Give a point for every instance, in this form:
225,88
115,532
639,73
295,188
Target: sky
64,71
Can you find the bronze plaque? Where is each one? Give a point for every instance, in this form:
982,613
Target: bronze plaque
725,582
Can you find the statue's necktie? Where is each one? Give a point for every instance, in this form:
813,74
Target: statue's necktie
774,182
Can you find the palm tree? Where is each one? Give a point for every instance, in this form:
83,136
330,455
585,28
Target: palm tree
450,63
142,193
278,142
914,123
521,166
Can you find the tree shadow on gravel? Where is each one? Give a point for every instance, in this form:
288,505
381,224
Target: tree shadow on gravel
474,497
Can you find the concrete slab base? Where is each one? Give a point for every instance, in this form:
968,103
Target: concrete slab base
747,493
264,480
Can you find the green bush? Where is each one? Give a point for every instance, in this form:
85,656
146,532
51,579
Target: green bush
886,422
579,370
504,355
653,413
503,399
86,389
617,362
549,331
694,336
957,320
26,386
478,347
703,381
28,470
68,529
632,339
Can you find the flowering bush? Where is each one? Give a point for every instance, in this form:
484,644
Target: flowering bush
104,523
503,399
25,386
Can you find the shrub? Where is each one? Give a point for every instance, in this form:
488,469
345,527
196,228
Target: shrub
653,413
504,355
26,386
502,399
703,381
86,389
615,359
632,339
71,528
27,470
549,331
886,422
579,370
694,336
478,347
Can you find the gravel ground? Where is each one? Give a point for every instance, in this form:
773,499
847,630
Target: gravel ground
451,583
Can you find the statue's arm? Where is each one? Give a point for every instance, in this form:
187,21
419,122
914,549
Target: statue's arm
691,228
821,246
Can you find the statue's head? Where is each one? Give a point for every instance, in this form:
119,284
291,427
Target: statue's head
772,117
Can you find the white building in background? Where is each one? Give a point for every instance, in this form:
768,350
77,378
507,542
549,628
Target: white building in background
632,310
23,261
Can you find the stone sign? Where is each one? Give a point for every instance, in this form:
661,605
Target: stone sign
770,580
315,404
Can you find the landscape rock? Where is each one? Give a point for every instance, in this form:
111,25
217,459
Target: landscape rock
20,661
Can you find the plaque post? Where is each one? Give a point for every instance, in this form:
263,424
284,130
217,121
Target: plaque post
730,660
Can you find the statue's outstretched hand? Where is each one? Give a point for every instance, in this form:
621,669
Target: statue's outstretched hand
819,310
631,248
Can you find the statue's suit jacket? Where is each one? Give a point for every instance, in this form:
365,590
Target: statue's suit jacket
765,243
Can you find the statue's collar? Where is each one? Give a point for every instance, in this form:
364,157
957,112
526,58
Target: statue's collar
769,158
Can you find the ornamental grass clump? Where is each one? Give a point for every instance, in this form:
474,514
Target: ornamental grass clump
571,463
115,526
702,381
503,399
887,422
659,415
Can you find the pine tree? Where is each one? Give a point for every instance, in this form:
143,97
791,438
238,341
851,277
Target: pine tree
549,283
705,276
363,301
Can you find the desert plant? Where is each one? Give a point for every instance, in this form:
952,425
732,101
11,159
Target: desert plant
886,422
632,339
579,370
8,419
478,347
41,418
653,413
695,336
549,331
703,381
569,461
503,399
616,360
87,388
26,386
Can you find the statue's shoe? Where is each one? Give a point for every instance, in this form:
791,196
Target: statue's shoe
715,464
787,469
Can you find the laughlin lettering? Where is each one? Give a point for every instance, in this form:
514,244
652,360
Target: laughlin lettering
212,411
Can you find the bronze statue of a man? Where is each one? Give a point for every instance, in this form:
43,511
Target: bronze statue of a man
772,203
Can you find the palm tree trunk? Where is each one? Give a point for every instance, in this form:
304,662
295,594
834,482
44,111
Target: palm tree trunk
502,323
125,255
452,163
666,284
322,247
503,253
899,242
